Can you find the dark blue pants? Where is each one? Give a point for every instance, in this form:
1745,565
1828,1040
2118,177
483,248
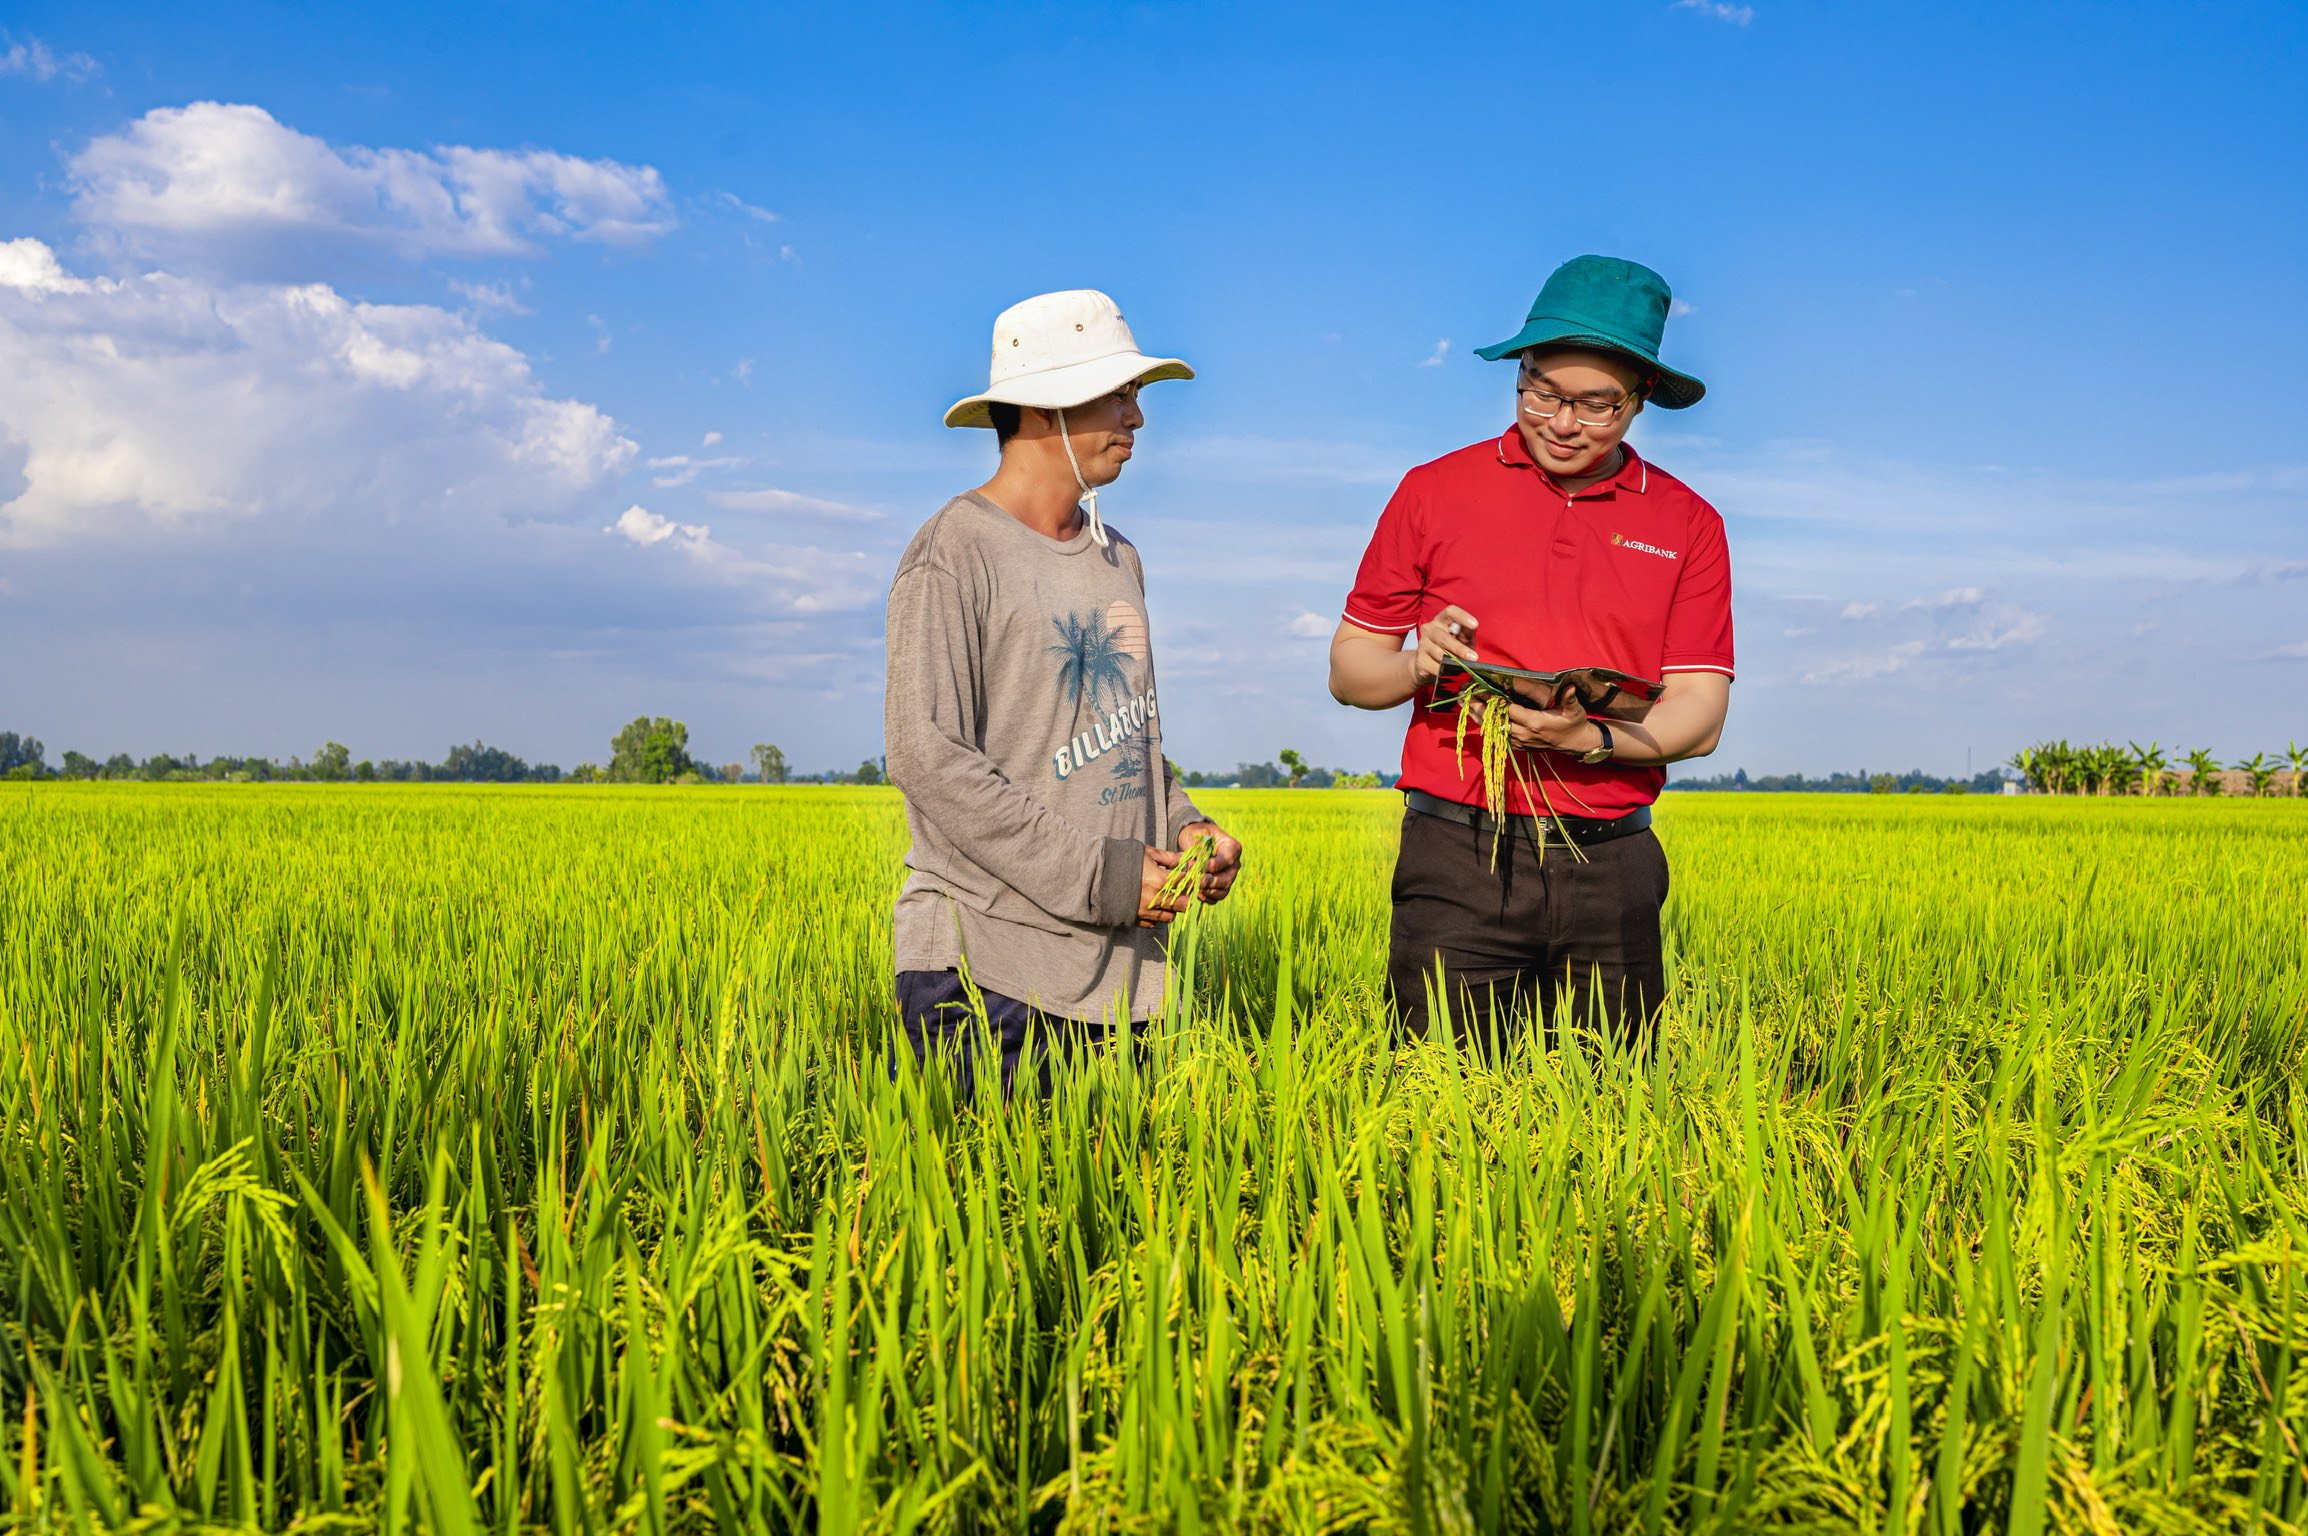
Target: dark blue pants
938,1020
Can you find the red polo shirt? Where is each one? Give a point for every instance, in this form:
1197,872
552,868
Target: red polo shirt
1632,572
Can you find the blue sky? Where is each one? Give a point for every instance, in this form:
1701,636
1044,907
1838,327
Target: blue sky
338,346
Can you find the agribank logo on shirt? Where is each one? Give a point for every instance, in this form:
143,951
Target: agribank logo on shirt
1096,656
1624,542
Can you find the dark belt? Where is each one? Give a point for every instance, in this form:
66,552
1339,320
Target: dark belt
1577,829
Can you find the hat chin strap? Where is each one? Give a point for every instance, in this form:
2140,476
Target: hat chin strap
1089,497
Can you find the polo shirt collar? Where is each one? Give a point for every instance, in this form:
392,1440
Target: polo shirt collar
1634,476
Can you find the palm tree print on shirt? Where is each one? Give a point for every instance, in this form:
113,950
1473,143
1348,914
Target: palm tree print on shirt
1093,657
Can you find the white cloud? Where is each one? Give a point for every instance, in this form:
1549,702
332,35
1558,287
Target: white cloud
490,297
35,58
1953,597
168,402
1681,307
789,578
643,526
792,503
681,468
1960,619
1860,669
1962,604
1309,625
1737,15
1435,358
29,267
711,438
1993,634
732,200
229,187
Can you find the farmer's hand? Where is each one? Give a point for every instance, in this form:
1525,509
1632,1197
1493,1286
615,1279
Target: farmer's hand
1225,858
1154,908
1550,730
1449,633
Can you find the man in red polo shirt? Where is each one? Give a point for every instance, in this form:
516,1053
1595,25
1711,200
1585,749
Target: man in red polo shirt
1551,546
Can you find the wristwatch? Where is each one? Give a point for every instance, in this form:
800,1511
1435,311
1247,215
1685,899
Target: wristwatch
1602,749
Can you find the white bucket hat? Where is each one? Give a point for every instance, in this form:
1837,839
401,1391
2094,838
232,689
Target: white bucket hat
1059,350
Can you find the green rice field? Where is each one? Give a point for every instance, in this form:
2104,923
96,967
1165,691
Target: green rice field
468,1159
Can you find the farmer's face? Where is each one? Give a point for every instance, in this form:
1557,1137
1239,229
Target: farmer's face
1103,433
1556,390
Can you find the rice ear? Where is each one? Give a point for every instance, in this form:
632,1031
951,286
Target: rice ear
1501,764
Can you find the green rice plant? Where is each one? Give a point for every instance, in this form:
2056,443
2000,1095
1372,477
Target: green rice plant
1186,876
509,1159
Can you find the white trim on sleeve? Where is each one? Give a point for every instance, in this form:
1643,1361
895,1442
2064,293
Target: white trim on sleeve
1700,666
1376,629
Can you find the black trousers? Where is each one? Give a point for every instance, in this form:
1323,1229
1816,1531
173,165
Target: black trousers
1515,941
938,1020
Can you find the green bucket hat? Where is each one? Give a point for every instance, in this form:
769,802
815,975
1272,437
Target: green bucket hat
1609,305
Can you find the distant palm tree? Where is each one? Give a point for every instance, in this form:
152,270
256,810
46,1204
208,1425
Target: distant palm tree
2155,771
2296,758
2085,765
1092,658
2056,765
2260,768
2048,765
2118,774
2203,773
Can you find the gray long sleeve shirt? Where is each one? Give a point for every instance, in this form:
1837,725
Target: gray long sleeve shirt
1020,721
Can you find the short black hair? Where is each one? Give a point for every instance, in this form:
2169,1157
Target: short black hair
1005,418
1646,371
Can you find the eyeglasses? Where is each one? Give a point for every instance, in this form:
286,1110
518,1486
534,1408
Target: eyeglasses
1585,409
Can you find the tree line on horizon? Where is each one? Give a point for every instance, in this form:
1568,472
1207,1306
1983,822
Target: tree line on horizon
654,749
1913,782
2107,768
650,749
1293,771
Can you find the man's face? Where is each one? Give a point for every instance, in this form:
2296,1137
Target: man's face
1103,431
1573,407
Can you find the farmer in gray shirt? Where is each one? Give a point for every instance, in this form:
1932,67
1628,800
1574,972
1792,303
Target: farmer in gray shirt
1022,720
